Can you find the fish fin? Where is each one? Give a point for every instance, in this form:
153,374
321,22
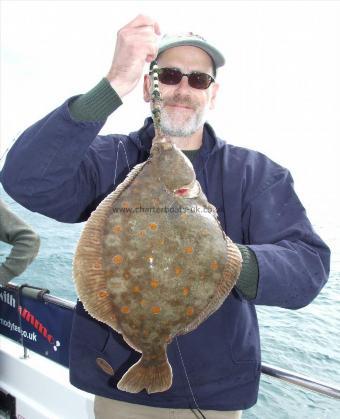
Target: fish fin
201,199
230,275
88,272
232,269
196,190
89,276
153,376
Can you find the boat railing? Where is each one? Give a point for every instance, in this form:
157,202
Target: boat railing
287,376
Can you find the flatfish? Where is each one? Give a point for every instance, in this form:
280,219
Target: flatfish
153,262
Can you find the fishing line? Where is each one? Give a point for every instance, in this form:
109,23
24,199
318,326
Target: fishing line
10,145
126,158
187,377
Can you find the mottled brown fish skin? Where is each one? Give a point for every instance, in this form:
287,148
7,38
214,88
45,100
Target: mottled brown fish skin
153,264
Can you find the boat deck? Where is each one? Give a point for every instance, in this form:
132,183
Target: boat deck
41,387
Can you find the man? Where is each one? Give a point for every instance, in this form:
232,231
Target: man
69,169
25,244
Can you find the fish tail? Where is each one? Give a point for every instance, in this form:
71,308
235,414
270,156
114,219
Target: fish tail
153,376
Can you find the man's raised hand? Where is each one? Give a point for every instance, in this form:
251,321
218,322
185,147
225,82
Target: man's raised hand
136,44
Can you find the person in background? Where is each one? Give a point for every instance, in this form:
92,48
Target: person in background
24,240
71,169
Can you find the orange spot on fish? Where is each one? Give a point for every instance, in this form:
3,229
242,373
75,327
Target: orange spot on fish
154,283
142,302
103,294
161,242
117,259
153,226
188,250
214,265
190,311
125,309
141,233
117,229
125,204
178,270
136,288
185,291
155,309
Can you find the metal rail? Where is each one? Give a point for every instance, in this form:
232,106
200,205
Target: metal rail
301,380
290,377
40,294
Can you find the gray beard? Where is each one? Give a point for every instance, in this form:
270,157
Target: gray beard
172,129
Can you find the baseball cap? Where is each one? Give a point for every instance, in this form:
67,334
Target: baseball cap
194,40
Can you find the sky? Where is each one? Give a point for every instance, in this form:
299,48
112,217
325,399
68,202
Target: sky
280,87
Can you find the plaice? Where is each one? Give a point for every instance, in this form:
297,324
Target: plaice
153,262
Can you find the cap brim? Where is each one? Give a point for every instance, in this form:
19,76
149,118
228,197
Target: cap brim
215,55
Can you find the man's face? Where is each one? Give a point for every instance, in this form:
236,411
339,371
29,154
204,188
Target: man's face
184,107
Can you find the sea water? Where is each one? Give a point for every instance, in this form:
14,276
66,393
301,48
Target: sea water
305,341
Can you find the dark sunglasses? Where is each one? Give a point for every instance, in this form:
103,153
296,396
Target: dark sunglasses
196,79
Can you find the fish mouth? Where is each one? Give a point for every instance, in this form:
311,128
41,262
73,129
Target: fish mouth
181,191
188,191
